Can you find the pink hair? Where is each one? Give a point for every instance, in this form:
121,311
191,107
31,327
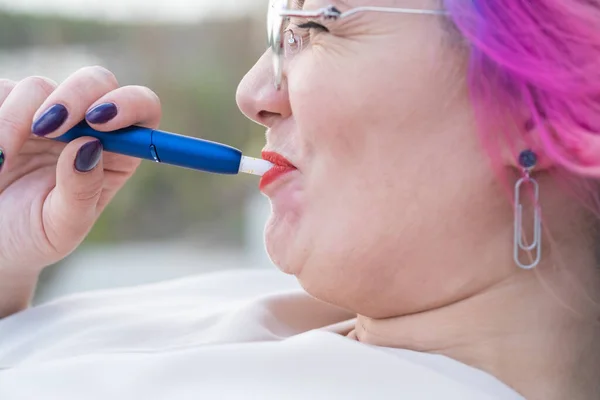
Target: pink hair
540,58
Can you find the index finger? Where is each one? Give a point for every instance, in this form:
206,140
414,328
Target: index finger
66,106
16,113
123,107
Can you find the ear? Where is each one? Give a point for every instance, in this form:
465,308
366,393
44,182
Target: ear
571,147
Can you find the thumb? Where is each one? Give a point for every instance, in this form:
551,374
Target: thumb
71,209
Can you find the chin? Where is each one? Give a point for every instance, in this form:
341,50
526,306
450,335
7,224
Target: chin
280,242
289,236
283,239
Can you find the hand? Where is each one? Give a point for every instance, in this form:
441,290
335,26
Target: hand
52,193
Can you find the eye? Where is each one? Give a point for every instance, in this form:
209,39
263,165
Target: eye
299,35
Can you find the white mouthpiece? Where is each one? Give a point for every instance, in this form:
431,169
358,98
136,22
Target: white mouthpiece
254,166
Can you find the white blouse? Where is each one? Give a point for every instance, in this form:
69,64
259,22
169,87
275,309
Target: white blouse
230,335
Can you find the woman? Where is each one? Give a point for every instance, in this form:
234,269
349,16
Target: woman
413,128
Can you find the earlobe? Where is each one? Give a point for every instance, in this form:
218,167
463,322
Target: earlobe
537,144
529,139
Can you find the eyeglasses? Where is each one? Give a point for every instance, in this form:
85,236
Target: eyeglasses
280,11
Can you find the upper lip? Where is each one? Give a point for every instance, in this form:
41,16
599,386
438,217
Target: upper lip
277,159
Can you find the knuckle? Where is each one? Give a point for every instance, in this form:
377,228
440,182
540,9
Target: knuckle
6,85
39,83
87,195
150,95
91,82
10,124
101,74
145,102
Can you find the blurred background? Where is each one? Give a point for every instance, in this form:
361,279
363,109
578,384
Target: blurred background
167,222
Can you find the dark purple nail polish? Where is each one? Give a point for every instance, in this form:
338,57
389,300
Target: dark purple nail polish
88,156
102,113
1,159
50,120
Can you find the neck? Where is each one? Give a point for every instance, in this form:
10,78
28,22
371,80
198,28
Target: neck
509,330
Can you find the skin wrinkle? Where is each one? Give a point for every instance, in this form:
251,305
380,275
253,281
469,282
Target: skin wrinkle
406,137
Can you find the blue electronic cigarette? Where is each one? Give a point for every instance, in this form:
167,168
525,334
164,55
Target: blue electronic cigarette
173,149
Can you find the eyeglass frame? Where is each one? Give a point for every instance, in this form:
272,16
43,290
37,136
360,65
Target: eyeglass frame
275,37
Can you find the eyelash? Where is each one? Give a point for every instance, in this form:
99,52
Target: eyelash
313,25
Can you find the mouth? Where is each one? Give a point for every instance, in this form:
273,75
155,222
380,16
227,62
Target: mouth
281,166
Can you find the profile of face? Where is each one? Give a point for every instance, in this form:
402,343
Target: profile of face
375,114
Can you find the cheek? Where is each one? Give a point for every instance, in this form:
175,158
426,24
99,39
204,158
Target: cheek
356,197
377,162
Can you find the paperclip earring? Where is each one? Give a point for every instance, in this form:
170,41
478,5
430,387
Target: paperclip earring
527,161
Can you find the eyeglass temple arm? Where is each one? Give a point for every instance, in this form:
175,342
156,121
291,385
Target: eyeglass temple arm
392,10
327,12
332,12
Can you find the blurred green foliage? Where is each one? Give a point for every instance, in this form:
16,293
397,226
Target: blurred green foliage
21,30
195,70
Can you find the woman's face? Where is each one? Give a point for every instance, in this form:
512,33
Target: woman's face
375,115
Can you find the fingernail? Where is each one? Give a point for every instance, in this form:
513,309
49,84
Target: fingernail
1,159
102,113
50,120
88,156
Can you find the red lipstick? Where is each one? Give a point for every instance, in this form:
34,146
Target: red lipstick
281,166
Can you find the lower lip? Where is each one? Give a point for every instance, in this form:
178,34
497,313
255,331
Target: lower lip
273,175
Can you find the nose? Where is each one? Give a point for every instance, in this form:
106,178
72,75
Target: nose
257,96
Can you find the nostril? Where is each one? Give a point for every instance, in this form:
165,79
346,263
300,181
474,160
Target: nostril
266,114
266,117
